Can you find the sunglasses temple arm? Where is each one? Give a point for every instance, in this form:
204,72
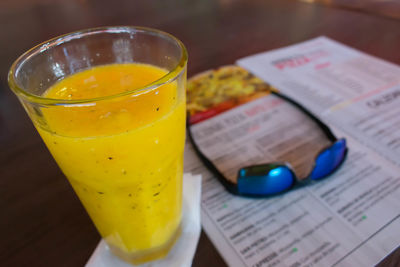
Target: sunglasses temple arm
231,187
322,125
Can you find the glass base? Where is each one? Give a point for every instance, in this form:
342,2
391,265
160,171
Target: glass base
147,255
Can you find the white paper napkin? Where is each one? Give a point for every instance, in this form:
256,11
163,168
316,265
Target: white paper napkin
181,255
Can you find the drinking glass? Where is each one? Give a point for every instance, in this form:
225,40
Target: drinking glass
121,152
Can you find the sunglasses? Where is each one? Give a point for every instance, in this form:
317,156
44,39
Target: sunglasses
270,179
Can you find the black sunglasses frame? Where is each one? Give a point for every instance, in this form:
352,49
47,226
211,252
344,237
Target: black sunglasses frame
232,187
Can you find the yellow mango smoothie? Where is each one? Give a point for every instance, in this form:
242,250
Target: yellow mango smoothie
123,156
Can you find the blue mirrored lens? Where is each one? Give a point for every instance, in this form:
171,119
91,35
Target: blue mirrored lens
265,180
329,159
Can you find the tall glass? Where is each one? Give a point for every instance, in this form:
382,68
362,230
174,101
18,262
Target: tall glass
123,152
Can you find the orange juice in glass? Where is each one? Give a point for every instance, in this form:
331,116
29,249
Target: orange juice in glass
109,104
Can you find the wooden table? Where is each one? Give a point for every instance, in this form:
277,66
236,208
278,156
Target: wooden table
42,222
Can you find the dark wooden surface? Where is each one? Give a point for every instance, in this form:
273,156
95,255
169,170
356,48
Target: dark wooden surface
42,222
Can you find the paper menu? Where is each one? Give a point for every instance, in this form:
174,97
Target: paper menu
350,219
352,90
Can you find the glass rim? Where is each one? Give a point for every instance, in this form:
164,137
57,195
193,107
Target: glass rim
58,40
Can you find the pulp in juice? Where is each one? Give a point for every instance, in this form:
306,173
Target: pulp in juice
122,155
